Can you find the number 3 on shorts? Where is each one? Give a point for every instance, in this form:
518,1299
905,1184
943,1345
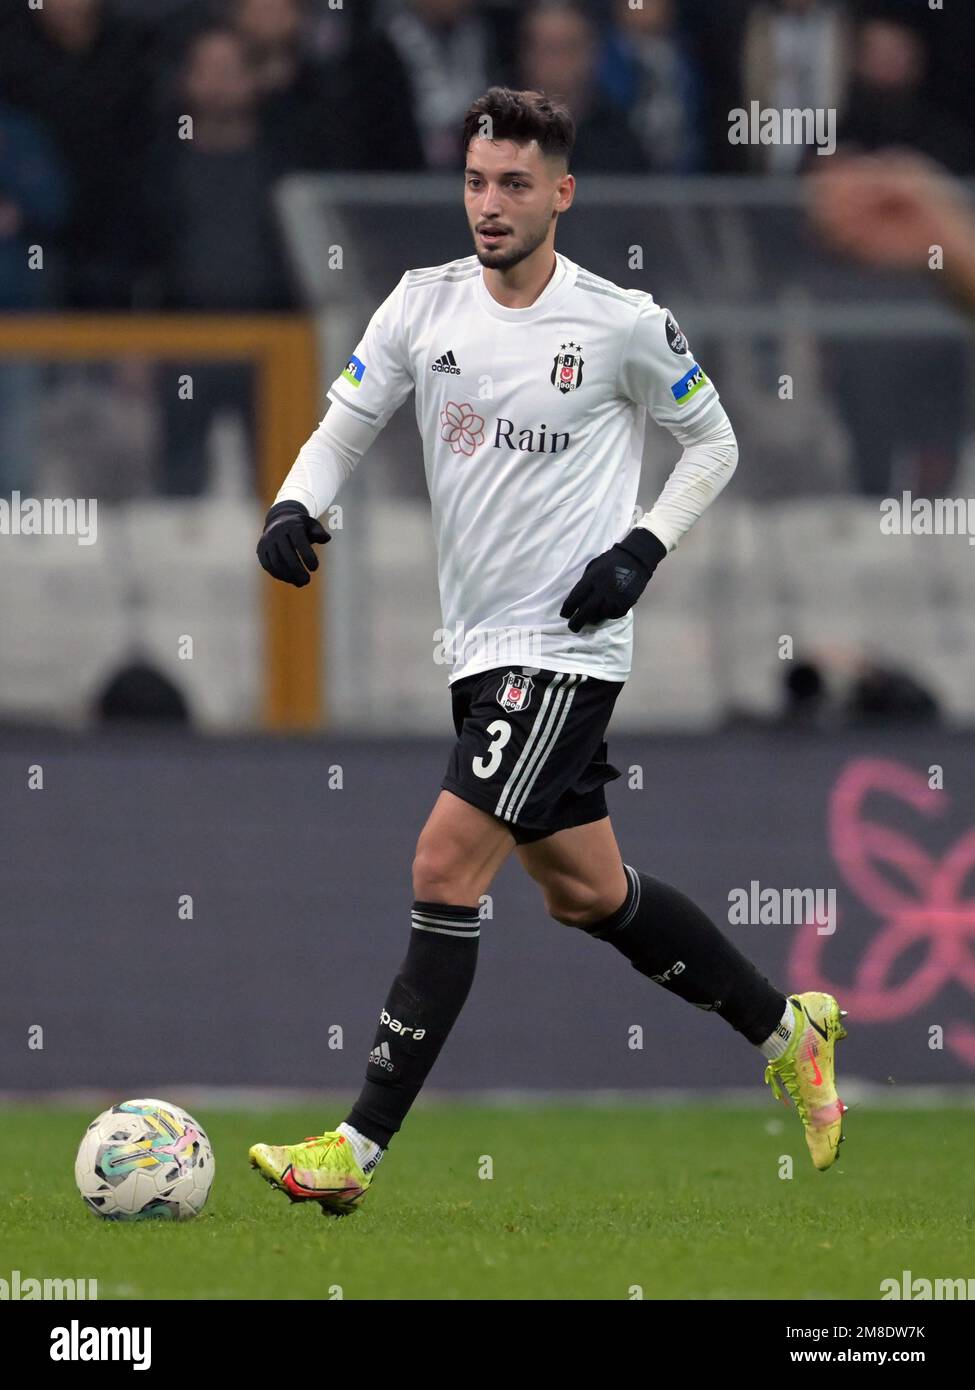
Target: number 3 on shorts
500,731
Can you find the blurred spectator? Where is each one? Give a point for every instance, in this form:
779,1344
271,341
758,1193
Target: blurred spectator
794,58
271,30
952,41
300,121
889,210
376,96
82,72
887,105
717,35
33,206
892,210
353,111
448,52
560,57
648,69
217,240
219,247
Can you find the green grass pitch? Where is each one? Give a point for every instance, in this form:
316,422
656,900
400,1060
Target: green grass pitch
584,1203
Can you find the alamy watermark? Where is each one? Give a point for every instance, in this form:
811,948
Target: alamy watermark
924,516
756,906
910,1288
50,516
511,646
78,1343
790,125
21,1288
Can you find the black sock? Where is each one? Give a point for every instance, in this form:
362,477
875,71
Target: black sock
420,1010
664,935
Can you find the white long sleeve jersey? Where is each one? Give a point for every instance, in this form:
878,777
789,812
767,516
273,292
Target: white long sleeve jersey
533,424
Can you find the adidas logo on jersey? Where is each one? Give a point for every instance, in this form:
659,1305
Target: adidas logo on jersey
447,363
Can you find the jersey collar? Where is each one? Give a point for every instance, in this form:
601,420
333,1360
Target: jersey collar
559,285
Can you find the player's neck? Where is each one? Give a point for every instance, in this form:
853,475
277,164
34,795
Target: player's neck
519,287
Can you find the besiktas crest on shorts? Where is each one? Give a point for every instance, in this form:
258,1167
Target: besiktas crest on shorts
515,691
567,368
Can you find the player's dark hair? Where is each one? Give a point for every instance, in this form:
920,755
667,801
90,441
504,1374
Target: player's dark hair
521,117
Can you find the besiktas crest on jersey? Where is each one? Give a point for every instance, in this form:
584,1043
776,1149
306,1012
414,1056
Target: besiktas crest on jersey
515,692
567,368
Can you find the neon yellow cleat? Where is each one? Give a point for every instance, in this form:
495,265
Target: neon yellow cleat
322,1169
806,1071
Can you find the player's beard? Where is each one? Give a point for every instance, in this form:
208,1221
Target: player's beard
510,255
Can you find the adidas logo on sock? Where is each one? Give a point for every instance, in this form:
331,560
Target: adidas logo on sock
447,363
380,1057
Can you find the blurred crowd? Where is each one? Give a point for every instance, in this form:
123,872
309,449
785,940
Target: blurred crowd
140,140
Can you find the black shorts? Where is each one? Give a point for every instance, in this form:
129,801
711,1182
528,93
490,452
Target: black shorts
531,749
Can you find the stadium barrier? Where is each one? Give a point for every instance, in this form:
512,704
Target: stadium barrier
283,353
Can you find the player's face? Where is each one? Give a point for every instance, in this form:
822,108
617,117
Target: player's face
512,195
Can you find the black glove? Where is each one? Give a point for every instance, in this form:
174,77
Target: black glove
289,529
612,582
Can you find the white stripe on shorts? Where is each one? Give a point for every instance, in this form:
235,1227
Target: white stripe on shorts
538,745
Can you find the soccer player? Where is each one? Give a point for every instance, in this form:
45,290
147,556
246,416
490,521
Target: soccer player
533,485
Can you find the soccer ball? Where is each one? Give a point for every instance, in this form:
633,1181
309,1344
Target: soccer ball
144,1159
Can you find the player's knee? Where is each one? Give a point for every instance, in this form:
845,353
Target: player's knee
437,877
574,905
